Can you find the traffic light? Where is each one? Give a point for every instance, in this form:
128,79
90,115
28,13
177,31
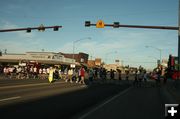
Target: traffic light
41,28
116,25
28,30
56,28
87,23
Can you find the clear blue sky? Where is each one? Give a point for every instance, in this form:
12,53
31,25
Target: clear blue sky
129,44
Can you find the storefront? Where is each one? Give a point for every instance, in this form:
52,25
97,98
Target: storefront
44,58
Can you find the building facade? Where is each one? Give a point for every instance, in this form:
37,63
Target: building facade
41,57
80,58
95,63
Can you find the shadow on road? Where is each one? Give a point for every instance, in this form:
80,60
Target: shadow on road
62,105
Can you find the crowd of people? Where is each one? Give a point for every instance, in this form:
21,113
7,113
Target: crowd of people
24,72
78,74
68,73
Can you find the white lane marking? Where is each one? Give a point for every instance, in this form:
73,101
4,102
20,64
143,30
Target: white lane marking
36,84
11,98
101,105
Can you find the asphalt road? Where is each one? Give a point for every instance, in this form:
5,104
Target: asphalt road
110,100
40,99
25,90
133,103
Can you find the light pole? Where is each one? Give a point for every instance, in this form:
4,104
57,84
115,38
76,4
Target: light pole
160,51
89,38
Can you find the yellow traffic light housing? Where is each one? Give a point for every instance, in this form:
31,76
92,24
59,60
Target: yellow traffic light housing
41,28
100,24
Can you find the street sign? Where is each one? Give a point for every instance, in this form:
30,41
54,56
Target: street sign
100,24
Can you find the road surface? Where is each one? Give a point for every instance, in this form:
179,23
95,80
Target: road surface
112,100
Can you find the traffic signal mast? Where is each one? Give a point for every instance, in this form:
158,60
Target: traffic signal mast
117,25
28,30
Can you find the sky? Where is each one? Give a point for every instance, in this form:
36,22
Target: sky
125,44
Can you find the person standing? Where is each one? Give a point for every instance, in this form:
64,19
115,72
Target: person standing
35,72
112,74
135,83
104,74
70,74
91,75
140,78
51,76
82,75
127,75
79,76
159,78
119,71
145,78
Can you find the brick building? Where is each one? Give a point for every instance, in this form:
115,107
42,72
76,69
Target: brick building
95,63
81,57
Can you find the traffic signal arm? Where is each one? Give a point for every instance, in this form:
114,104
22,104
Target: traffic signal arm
117,25
150,27
30,28
147,27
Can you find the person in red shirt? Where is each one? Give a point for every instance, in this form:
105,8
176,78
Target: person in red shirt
82,75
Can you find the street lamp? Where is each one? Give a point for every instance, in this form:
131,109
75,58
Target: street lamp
86,38
160,51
